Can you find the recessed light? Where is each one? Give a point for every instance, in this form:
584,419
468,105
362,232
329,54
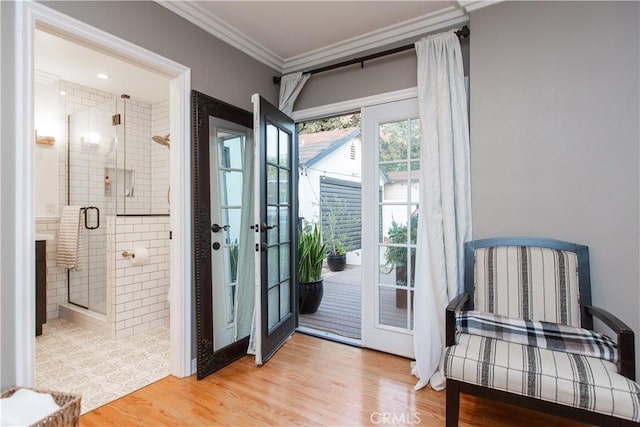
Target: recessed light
102,76
63,93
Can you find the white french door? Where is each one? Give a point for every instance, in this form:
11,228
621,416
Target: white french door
391,154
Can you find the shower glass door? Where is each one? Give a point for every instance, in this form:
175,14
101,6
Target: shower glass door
92,148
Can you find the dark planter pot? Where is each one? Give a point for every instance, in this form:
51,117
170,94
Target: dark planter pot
336,262
310,296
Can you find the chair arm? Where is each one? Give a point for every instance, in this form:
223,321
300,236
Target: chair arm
454,306
626,349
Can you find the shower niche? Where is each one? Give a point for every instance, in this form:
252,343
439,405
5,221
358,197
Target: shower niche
118,182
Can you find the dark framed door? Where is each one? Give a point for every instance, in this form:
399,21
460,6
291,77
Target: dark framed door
276,208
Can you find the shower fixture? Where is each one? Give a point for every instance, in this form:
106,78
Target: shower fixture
162,140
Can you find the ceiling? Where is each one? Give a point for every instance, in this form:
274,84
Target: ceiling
295,35
57,58
285,35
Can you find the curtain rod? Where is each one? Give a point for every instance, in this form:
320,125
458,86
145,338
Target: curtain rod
461,33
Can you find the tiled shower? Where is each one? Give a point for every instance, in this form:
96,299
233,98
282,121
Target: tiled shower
118,170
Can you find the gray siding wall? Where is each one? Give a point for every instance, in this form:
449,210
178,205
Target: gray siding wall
554,134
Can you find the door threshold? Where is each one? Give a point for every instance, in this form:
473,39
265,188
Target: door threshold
329,336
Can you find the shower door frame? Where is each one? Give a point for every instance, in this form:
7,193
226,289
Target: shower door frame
28,16
76,145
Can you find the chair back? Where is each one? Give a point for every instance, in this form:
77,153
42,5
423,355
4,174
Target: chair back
528,278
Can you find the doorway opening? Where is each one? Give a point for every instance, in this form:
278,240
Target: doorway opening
104,178
36,16
330,180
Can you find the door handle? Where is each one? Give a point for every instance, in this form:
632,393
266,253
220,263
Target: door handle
265,227
217,228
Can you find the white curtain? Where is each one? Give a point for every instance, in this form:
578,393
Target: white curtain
245,296
445,199
290,87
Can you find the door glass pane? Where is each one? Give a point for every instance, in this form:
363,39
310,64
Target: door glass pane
393,140
231,182
284,186
393,307
284,261
285,140
285,306
413,225
272,144
273,276
272,219
230,303
414,129
272,185
412,272
284,225
394,223
231,150
232,234
273,297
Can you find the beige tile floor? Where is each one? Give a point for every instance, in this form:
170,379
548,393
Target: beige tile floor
72,359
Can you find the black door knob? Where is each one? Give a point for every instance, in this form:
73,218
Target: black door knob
217,228
215,246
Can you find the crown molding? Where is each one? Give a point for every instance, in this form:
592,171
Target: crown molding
415,27
471,5
199,16
421,25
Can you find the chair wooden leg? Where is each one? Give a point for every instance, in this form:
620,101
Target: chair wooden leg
453,403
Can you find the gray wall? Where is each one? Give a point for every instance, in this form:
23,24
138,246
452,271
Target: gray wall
217,69
387,74
554,134
7,199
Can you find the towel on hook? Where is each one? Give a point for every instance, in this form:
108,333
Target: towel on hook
70,250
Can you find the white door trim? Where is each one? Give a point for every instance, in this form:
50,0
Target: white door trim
28,16
353,105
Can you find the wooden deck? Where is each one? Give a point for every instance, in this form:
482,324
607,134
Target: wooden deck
340,310
341,307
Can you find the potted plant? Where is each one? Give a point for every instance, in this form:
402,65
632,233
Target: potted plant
337,256
396,257
311,252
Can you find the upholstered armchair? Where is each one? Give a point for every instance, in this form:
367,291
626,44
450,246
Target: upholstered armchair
522,333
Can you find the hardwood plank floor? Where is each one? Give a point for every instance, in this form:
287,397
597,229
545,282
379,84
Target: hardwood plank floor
309,381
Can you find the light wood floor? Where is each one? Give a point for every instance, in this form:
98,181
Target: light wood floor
309,381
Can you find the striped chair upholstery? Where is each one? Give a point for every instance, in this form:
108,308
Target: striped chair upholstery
568,379
526,282
541,280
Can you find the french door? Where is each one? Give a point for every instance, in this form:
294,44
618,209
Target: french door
226,153
390,187
275,227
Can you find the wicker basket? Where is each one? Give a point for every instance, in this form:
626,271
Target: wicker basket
67,415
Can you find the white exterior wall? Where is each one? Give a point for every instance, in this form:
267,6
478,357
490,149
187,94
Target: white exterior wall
337,165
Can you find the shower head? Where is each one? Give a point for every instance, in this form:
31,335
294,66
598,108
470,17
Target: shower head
162,140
